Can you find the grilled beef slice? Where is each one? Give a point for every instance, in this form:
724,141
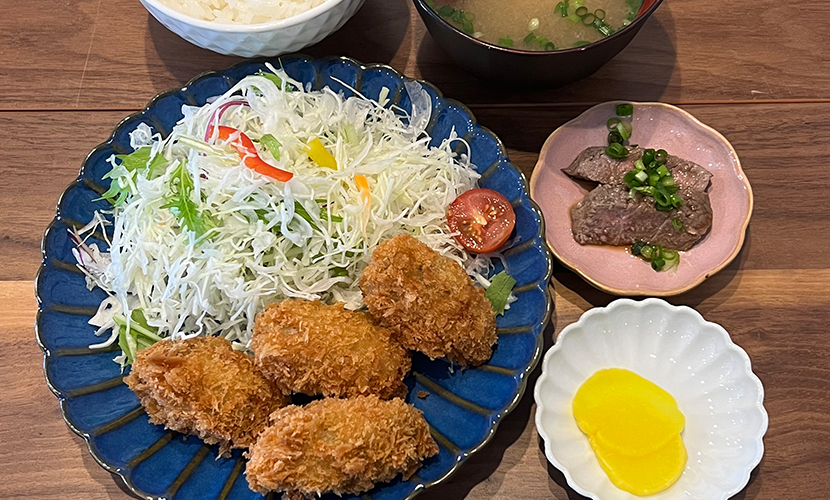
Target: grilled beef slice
594,165
607,216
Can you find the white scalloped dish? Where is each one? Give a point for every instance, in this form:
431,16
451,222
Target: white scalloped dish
694,360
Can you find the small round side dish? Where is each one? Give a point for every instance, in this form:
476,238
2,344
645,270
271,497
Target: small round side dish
253,40
656,125
674,347
536,68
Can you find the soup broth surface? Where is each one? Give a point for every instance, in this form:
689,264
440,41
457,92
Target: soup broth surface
539,24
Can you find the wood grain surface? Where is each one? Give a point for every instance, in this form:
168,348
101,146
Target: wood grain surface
758,71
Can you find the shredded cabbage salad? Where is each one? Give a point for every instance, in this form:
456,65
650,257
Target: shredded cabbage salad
201,242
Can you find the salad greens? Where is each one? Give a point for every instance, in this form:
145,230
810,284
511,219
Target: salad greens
499,291
134,335
140,159
181,204
203,236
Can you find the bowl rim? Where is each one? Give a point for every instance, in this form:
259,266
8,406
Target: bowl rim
277,24
523,375
640,19
608,310
630,292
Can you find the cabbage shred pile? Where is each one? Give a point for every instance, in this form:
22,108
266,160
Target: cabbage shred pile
201,243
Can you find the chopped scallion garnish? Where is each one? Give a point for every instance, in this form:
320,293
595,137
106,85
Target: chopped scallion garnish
626,109
648,156
624,129
445,11
670,254
603,28
661,259
616,150
650,175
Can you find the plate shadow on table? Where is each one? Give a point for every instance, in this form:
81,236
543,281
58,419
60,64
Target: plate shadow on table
123,487
484,465
641,72
121,491
181,59
373,35
719,288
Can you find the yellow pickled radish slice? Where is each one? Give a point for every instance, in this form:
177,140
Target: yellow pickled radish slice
644,475
626,413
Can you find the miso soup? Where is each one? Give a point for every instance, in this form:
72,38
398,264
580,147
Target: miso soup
538,24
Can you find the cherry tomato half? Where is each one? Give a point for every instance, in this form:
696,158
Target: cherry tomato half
482,218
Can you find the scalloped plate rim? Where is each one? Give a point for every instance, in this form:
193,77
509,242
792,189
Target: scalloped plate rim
702,276
640,304
542,282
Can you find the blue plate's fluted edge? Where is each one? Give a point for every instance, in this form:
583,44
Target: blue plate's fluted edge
540,238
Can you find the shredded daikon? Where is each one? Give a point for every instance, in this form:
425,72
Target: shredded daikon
263,240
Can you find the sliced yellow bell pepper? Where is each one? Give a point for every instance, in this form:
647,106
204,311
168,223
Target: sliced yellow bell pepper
320,155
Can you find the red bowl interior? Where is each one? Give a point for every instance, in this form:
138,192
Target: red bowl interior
646,5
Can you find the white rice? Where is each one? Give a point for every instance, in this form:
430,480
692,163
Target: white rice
242,11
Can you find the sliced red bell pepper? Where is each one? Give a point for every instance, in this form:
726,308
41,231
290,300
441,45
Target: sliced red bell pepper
247,151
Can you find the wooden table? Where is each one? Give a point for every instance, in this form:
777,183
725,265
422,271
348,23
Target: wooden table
757,70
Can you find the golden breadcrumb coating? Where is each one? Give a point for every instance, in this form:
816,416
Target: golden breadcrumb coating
312,348
343,446
202,386
429,302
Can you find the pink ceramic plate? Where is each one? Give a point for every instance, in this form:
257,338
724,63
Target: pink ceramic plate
656,125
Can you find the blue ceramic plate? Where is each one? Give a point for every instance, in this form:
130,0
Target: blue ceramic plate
463,408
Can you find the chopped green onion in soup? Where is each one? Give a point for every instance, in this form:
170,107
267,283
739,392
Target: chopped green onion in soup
564,24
